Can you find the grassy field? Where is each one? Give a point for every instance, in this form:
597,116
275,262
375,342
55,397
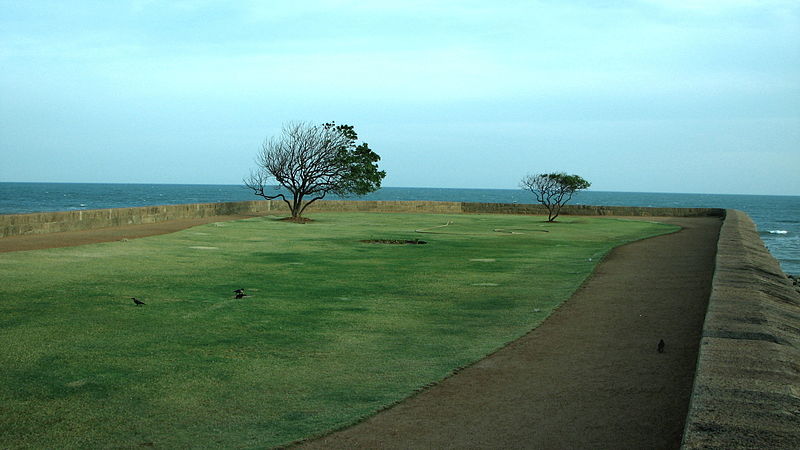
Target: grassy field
333,329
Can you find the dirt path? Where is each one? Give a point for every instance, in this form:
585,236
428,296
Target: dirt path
589,377
73,238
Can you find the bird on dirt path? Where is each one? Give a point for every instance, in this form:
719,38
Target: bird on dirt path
137,302
661,346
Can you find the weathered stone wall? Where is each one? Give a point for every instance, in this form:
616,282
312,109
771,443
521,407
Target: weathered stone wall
747,384
589,210
49,222
384,206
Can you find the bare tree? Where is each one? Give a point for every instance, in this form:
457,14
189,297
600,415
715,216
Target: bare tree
310,161
553,190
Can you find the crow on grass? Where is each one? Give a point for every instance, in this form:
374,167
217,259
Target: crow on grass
661,346
239,293
137,302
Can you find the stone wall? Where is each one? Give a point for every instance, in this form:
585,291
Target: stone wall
747,385
589,210
50,222
383,206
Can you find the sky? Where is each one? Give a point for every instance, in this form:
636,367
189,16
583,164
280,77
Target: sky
699,96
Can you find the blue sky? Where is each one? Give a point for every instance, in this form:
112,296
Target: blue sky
641,95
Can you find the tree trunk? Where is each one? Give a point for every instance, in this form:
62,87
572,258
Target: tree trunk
297,207
552,211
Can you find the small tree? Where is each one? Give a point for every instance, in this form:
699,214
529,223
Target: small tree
310,161
553,190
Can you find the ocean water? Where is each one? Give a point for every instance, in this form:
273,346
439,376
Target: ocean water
777,217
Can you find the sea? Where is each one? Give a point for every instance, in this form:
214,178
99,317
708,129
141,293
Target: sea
777,217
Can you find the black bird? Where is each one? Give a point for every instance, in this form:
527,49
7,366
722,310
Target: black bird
240,293
661,346
137,302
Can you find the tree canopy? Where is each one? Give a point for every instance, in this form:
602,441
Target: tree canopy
311,161
553,190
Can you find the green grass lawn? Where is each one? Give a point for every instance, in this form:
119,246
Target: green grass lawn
333,330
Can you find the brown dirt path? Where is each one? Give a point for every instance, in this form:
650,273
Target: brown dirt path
73,238
589,376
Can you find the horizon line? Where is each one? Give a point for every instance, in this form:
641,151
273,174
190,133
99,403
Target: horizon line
395,187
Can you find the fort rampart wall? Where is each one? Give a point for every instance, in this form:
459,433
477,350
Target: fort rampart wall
747,383
53,222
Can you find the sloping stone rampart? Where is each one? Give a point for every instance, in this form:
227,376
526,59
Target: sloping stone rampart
747,384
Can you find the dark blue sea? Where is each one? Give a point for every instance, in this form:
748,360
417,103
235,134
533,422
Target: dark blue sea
777,217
